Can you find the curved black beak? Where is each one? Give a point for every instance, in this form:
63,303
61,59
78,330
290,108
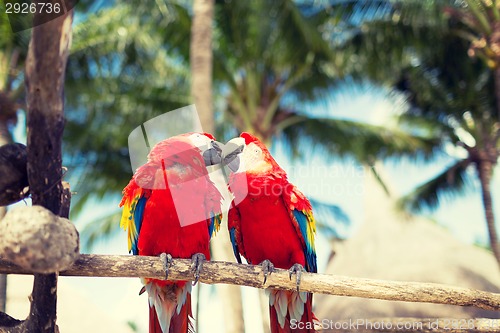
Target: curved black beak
213,155
230,156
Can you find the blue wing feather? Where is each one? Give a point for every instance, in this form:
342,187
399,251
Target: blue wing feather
232,236
310,252
214,225
138,214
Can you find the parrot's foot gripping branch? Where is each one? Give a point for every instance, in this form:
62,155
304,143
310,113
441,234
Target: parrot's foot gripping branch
296,269
167,262
197,261
267,269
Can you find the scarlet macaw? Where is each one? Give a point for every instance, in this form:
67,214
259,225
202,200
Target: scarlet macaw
171,206
271,223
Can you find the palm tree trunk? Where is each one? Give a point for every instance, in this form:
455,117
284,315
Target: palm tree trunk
495,44
201,90
497,89
3,291
4,139
485,170
201,61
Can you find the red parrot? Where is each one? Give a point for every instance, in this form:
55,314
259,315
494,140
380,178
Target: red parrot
171,206
271,223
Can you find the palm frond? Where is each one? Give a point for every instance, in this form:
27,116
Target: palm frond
449,183
331,220
355,12
100,230
364,142
427,126
276,46
113,29
391,38
378,177
479,11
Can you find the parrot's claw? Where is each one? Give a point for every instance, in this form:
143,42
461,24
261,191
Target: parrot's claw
197,261
167,262
296,269
267,269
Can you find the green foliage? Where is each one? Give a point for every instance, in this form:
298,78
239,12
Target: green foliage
377,39
122,72
266,51
365,142
270,55
13,50
451,96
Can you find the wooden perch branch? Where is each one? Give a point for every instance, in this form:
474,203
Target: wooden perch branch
248,275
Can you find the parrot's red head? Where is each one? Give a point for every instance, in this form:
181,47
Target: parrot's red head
180,146
248,154
183,156
208,135
249,138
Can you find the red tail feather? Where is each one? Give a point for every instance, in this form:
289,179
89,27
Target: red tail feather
306,324
154,325
180,323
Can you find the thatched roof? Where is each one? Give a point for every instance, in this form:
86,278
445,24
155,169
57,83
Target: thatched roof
391,246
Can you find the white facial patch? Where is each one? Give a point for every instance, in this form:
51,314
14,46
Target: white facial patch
252,159
200,140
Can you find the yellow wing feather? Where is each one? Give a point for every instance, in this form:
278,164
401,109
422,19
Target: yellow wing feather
127,221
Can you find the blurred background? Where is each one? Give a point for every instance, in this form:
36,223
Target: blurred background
386,114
